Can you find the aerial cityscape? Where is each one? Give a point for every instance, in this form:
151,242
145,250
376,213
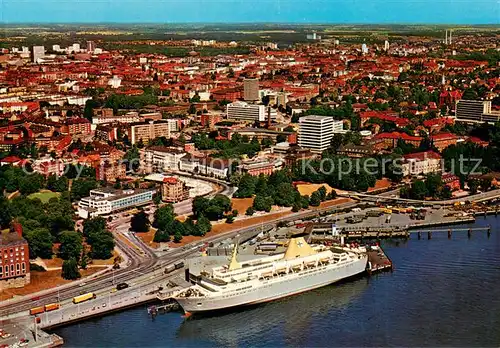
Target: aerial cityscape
271,174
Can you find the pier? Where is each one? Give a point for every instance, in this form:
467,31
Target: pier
322,232
378,261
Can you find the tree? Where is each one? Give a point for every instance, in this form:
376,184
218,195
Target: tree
157,199
161,236
81,188
99,238
102,245
250,211
5,212
284,194
70,269
40,243
59,215
473,186
281,138
246,186
31,183
84,260
267,142
132,159
57,183
200,205
315,199
192,109
177,237
337,141
470,94
322,193
203,224
163,217
140,222
71,245
418,190
229,219
433,184
262,203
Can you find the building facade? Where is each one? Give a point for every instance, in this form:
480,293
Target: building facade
475,111
248,112
421,163
315,132
147,131
161,158
251,90
174,190
14,258
107,201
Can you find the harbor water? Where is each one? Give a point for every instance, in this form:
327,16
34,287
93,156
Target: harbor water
442,292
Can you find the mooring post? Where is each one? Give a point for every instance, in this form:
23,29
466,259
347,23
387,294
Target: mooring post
419,234
488,232
469,233
449,233
429,235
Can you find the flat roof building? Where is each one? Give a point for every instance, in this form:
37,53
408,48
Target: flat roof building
248,112
475,111
107,200
315,132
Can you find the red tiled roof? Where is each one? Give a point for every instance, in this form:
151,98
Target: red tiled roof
422,155
10,159
170,180
397,135
442,136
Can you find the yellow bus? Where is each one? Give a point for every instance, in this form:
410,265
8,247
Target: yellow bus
83,298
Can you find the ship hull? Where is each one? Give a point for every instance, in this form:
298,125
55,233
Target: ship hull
273,289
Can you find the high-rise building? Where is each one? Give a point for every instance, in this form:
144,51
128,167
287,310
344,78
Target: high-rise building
476,111
38,53
364,49
251,90
386,45
315,132
248,112
90,46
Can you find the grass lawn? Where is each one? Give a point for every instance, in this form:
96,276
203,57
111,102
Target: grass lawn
44,196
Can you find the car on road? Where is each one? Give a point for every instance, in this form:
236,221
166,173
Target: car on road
122,286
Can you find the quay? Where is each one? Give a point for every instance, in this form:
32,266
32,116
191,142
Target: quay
328,232
378,261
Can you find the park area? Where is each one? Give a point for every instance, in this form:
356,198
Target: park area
44,195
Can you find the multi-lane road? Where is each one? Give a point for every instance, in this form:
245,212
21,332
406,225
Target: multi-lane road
142,262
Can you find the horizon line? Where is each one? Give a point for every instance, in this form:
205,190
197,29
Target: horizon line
6,23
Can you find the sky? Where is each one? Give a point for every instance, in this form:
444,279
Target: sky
239,11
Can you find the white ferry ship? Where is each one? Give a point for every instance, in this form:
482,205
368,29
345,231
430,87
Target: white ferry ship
301,268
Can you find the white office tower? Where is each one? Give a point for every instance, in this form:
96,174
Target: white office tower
91,46
364,49
38,53
386,45
251,90
315,132
248,112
